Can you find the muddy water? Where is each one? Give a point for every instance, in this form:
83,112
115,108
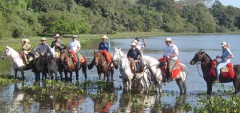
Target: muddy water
43,96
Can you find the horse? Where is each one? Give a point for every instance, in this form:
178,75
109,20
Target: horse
102,66
41,65
180,77
69,66
53,64
18,64
206,64
121,59
156,74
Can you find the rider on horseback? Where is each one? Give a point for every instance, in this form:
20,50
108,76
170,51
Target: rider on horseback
170,52
26,49
57,44
104,48
226,58
135,57
74,47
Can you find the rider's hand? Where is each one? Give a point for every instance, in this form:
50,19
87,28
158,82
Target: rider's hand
57,44
218,56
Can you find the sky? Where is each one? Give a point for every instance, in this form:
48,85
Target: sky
234,3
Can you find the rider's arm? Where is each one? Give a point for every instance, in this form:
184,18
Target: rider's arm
78,46
144,42
108,46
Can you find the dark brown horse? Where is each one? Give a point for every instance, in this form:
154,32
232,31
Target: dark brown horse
206,63
69,65
102,66
41,65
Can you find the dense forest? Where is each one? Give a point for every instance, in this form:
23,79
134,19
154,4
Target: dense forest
25,18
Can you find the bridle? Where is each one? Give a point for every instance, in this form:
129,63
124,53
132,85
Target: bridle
65,60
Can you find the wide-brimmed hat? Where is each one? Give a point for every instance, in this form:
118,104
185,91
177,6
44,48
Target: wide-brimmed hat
133,44
25,40
223,44
105,37
74,36
168,40
43,39
57,36
135,41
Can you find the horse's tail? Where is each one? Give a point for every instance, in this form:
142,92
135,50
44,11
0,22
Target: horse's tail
84,66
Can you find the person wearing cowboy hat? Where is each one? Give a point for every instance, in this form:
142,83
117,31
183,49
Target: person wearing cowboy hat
57,43
139,44
75,46
134,55
104,48
26,49
170,52
225,58
43,46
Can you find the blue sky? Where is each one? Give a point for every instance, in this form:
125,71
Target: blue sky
234,3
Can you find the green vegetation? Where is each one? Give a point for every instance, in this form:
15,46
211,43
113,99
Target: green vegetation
28,18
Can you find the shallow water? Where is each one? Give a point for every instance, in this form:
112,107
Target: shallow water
112,100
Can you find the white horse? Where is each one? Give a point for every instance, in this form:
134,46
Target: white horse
157,75
125,70
18,64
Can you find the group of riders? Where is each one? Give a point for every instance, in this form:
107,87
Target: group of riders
134,54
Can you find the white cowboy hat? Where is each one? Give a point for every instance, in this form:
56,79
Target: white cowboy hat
223,44
135,41
168,40
43,39
74,36
26,40
56,35
104,36
133,44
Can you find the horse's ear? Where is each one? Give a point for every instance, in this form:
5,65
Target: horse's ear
201,50
7,47
120,49
115,49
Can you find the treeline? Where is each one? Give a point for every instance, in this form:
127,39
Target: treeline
25,18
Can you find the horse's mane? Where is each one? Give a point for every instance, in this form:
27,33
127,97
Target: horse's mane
208,56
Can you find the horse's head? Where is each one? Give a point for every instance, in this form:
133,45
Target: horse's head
198,57
52,52
117,55
7,52
163,62
123,63
63,54
97,57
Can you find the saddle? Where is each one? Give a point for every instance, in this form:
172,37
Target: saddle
75,58
226,72
108,56
176,69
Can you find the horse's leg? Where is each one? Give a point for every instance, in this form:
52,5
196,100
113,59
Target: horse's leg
22,72
66,75
55,75
209,87
146,80
15,73
70,76
76,72
112,72
180,85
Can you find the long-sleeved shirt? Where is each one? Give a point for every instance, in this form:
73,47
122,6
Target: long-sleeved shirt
104,46
57,48
134,53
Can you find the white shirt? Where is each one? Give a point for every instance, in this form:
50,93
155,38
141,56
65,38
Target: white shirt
140,45
170,50
73,45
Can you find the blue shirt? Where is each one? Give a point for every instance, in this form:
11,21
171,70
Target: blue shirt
225,54
103,46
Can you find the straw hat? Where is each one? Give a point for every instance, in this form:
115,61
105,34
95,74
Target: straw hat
74,36
133,44
26,40
43,39
56,36
168,40
104,36
223,44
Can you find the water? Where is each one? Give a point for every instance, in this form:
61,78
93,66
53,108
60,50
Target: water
115,101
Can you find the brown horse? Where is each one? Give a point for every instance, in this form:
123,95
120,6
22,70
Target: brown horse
69,65
206,63
41,65
102,66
